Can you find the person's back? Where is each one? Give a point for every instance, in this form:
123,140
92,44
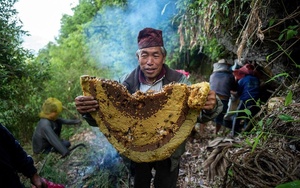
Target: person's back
222,82
248,88
248,83
248,93
43,136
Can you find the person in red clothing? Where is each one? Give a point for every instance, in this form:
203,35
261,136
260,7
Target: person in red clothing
47,133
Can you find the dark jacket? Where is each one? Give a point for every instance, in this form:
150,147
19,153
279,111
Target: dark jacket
47,135
131,81
13,160
222,82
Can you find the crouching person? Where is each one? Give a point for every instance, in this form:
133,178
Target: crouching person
46,136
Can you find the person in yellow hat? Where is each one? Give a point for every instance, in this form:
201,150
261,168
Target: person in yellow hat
46,136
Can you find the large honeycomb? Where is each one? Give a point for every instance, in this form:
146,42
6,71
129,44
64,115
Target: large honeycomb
145,127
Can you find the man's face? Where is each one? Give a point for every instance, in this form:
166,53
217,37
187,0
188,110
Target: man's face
53,115
151,61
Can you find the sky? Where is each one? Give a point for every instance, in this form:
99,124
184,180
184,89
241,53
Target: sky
41,18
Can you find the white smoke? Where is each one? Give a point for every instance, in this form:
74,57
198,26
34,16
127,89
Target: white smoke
112,36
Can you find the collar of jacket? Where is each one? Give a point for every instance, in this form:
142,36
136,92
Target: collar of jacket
132,82
220,67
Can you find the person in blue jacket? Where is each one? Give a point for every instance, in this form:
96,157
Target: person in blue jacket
248,92
14,160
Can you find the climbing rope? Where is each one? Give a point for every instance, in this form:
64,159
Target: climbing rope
263,167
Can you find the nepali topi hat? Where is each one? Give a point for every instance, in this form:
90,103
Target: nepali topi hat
149,37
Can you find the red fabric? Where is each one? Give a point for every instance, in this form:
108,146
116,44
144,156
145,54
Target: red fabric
187,74
150,37
53,185
243,71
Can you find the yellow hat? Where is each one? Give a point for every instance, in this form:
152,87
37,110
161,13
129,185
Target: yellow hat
50,105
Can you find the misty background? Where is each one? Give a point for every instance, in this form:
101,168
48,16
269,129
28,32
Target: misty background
112,35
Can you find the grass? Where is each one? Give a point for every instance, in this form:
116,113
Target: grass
88,167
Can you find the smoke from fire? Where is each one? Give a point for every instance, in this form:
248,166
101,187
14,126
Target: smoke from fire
112,35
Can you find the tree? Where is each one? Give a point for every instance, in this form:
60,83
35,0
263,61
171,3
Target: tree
19,74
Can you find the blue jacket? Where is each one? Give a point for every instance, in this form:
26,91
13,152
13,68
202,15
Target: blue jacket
248,88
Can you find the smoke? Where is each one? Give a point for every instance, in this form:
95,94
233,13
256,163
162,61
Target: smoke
107,156
112,35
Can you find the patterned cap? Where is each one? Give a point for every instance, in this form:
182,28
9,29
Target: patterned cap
149,37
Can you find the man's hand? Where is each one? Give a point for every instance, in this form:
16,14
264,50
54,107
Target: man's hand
85,104
211,101
38,182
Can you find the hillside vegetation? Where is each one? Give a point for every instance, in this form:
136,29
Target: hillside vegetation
99,39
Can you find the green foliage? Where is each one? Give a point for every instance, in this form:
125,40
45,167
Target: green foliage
285,117
293,184
288,99
215,50
272,21
278,76
289,33
12,56
83,14
67,63
106,179
101,3
20,76
50,168
256,141
203,21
